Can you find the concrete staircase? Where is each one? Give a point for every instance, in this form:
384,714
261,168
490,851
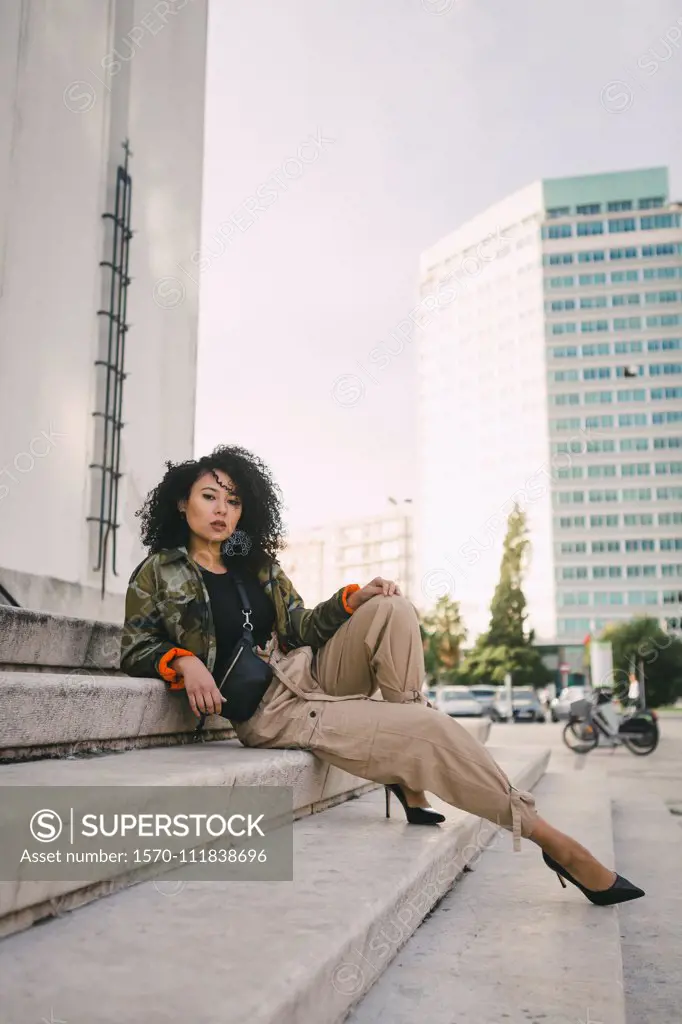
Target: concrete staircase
301,952
63,693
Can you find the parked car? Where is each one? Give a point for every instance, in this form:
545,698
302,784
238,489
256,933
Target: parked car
484,694
458,702
525,707
560,707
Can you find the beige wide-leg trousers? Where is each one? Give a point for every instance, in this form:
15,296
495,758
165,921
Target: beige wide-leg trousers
329,703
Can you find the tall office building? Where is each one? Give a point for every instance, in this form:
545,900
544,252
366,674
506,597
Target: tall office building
550,374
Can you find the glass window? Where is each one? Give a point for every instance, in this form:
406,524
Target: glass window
632,395
558,231
651,202
563,328
594,325
558,258
593,256
666,417
622,224
659,394
630,299
666,296
566,399
588,279
601,348
593,302
670,518
566,352
590,227
597,373
634,444
621,276
665,369
659,220
618,205
622,347
588,208
642,597
668,249
594,422
627,323
629,253
632,419
629,371
601,471
651,273
572,423
558,211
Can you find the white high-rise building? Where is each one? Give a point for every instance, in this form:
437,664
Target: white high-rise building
550,374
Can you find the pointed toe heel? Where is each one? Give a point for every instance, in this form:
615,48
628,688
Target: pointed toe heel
621,891
414,815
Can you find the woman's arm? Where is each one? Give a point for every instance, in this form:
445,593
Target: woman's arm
314,626
146,649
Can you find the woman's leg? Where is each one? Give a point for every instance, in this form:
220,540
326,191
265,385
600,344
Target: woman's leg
571,855
425,750
380,647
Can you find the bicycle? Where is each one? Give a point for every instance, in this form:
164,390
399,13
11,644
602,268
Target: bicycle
596,718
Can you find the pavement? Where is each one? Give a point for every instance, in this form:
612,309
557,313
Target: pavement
658,774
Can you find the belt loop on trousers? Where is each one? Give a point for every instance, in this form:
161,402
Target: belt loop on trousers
516,818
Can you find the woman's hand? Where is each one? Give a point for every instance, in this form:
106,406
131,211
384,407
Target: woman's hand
203,694
372,589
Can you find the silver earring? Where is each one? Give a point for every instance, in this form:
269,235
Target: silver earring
238,543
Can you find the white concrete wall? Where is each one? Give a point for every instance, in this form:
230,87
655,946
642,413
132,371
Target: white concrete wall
75,80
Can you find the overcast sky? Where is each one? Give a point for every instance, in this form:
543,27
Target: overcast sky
411,121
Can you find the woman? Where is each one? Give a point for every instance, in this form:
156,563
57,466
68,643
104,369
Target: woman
210,518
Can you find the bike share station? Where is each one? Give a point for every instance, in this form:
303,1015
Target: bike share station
597,720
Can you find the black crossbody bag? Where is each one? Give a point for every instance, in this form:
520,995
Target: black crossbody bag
247,676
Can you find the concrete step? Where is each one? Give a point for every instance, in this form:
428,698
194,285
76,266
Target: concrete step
56,714
315,786
299,952
48,714
30,639
648,841
508,945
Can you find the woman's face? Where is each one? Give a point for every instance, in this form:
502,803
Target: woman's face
213,508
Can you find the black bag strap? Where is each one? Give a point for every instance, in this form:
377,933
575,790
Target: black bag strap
247,626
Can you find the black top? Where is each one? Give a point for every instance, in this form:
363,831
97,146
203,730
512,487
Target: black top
227,614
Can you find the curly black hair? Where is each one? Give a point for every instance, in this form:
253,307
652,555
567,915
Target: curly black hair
164,527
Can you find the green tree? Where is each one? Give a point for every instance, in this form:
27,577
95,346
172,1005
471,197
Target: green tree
507,646
443,633
642,642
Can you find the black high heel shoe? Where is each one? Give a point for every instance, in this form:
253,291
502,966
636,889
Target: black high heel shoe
620,892
414,815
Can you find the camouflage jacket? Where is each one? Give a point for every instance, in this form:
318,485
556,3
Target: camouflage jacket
168,609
